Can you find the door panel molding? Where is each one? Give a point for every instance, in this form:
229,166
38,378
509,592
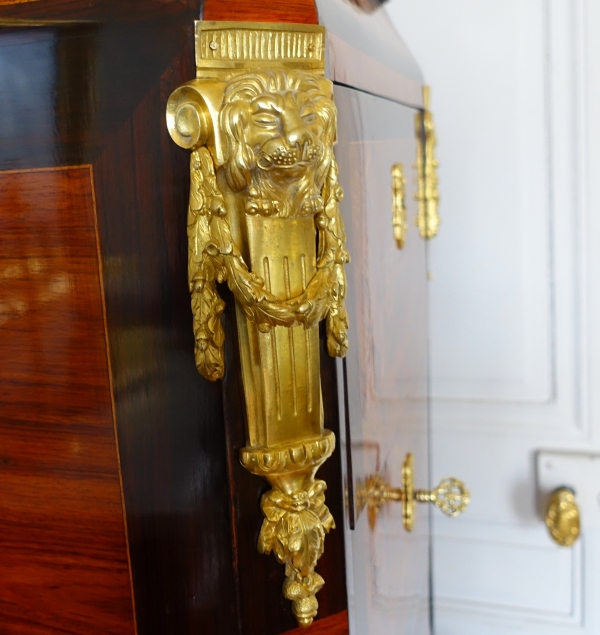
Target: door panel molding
547,581
538,383
496,432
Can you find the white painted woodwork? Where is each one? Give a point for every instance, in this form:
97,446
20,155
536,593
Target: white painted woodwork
514,300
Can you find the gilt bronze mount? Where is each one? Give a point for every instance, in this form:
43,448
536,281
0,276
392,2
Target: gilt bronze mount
428,197
562,517
399,221
260,121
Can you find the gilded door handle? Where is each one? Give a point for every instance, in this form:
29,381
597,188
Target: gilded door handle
450,496
399,221
562,517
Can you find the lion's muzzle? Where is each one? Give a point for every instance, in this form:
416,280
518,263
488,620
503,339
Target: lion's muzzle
290,157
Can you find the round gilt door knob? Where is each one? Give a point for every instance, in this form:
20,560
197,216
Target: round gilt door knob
562,517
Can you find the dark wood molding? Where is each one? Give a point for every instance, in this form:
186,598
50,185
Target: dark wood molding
49,12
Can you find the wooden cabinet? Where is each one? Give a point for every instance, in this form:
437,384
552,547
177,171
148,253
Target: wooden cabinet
158,519
123,505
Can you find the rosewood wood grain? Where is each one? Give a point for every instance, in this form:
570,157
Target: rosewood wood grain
116,78
63,551
169,419
333,625
292,11
83,83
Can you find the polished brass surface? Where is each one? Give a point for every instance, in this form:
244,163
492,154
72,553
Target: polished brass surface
264,217
450,496
562,517
399,222
428,220
252,46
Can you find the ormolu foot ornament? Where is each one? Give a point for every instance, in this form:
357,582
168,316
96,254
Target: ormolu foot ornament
264,217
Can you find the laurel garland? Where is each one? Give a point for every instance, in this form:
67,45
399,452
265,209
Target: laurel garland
214,257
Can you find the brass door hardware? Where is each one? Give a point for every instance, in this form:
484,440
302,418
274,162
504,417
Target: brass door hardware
562,517
399,222
260,121
450,496
428,219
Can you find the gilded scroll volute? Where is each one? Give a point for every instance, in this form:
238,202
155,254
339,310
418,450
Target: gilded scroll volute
264,218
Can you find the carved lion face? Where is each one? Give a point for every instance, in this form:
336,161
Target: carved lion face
279,129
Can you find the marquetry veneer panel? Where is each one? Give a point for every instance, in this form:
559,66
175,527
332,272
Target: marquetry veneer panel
63,551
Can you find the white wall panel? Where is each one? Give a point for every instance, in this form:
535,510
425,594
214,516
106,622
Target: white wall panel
505,266
491,326
515,300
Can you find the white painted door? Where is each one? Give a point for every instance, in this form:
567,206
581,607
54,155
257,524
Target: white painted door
514,303
386,368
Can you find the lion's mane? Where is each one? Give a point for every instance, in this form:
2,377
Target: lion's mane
240,92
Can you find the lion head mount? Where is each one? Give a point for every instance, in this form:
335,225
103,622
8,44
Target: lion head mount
268,153
278,130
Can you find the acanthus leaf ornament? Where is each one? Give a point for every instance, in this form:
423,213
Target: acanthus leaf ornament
264,218
294,529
